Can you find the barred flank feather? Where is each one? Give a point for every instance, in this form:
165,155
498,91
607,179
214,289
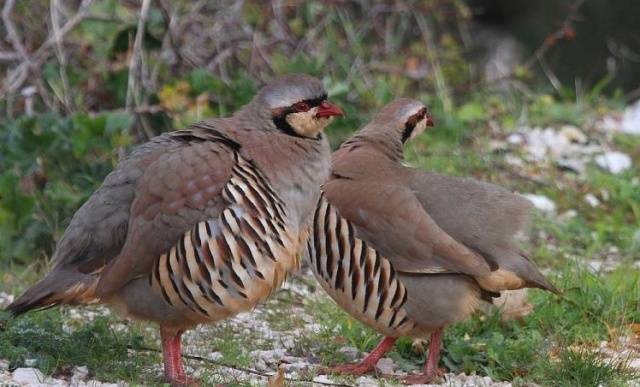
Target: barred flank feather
354,274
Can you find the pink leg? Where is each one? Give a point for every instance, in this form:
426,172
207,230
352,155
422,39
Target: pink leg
431,370
171,349
368,364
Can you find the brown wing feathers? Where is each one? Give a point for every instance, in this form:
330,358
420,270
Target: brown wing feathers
209,268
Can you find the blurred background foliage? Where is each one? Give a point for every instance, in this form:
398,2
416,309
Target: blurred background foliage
81,85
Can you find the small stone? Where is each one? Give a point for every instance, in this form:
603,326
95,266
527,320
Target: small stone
573,134
567,215
214,356
542,203
515,139
635,364
591,200
365,381
5,299
79,374
4,365
514,160
322,379
575,165
614,162
27,376
631,120
31,362
351,353
385,366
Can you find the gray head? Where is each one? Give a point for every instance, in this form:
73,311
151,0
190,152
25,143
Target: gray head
392,126
404,117
296,104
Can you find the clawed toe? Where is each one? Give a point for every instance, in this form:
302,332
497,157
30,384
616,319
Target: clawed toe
425,378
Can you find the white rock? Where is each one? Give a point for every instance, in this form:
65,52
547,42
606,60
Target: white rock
515,139
542,203
573,134
635,363
567,215
215,356
385,366
4,365
631,119
30,362
365,381
514,160
614,162
591,200
79,374
27,376
5,299
322,379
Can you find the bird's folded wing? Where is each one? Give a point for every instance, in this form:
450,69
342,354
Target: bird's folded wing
180,189
392,220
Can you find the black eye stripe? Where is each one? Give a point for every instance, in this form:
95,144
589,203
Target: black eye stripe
280,119
411,123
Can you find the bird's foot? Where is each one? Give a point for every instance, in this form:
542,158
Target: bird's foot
424,378
350,369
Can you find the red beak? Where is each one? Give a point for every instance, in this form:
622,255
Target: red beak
429,120
326,109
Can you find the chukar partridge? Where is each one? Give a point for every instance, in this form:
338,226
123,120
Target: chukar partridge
202,223
408,252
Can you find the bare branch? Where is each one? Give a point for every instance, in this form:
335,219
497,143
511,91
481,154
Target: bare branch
55,10
12,33
133,94
16,77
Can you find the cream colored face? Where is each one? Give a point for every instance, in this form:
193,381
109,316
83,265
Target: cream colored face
421,126
307,124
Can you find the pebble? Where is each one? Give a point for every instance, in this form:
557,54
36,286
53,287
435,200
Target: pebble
614,162
385,366
322,379
591,200
631,119
542,203
79,374
5,299
27,376
365,381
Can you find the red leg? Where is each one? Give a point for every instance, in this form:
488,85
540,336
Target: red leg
171,349
431,370
368,364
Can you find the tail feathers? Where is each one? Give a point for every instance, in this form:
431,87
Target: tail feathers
514,271
58,287
537,280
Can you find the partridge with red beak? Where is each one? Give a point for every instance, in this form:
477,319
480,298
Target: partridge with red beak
408,252
199,224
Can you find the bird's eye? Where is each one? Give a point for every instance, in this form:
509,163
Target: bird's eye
301,106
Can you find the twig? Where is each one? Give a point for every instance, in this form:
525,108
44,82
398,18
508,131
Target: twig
565,32
136,57
237,368
441,81
12,33
67,100
18,75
